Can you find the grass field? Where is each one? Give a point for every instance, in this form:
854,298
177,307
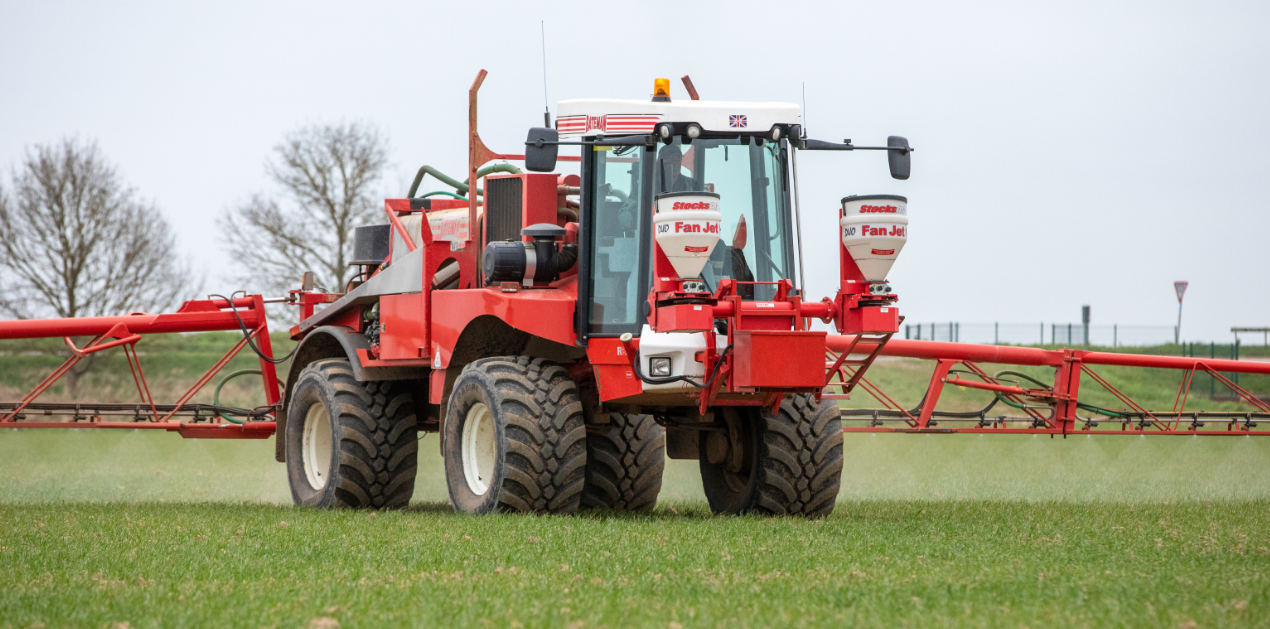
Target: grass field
103,528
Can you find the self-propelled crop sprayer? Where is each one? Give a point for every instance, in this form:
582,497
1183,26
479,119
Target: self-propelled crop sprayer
565,334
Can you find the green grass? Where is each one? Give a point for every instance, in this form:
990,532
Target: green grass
931,530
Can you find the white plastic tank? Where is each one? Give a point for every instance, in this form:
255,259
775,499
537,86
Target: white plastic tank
687,226
874,229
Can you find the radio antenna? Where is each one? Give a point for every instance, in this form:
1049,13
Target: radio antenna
546,109
804,109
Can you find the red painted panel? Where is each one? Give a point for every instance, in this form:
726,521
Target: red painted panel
402,333
872,319
542,312
612,365
540,200
778,359
617,381
688,318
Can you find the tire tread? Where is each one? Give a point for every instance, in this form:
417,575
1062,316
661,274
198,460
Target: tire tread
545,434
802,469
378,444
611,481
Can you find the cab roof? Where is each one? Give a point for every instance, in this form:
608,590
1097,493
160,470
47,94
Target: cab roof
595,116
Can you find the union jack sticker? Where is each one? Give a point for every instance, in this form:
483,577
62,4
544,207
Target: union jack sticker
736,121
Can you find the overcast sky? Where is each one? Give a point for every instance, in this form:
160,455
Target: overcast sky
1068,153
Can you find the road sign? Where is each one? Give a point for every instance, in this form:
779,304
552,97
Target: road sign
1180,287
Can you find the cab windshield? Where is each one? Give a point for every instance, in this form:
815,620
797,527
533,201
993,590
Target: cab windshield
757,235
750,181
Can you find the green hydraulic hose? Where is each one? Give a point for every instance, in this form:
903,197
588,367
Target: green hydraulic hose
428,170
216,395
1079,404
461,186
497,168
441,192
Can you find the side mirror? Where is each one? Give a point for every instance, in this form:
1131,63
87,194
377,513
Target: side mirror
899,156
541,149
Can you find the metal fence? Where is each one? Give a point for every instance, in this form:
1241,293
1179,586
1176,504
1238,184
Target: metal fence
1114,335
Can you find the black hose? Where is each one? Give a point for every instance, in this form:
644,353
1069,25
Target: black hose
964,414
672,379
1089,407
568,256
247,333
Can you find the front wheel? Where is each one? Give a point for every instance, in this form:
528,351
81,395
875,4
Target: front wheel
789,463
514,438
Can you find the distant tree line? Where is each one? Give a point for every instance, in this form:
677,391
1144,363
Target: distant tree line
76,240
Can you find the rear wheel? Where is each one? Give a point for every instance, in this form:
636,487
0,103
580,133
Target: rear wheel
789,463
514,438
350,443
625,459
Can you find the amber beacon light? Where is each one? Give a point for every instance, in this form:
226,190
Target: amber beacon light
661,87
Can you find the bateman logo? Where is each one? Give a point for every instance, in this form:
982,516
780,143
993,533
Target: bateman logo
598,123
700,205
877,209
452,227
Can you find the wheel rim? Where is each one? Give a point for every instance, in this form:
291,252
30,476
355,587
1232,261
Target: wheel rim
316,447
479,448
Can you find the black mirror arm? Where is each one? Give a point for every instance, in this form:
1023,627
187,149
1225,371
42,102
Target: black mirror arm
821,145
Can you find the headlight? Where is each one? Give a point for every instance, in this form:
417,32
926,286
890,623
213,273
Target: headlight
665,131
694,131
659,366
776,133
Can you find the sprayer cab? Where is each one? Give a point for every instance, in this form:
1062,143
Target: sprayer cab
688,229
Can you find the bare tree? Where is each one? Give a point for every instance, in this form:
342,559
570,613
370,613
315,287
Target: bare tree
75,241
326,173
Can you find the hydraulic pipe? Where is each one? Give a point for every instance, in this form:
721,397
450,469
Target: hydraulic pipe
815,309
933,350
196,321
1175,362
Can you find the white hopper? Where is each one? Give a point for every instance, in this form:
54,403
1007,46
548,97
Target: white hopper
687,226
874,230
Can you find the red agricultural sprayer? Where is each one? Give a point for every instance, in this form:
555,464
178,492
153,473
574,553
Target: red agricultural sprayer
564,334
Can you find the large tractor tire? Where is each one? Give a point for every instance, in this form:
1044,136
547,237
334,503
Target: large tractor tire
349,443
514,438
789,463
624,463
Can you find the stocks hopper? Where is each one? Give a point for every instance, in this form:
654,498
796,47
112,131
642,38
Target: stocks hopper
687,226
874,230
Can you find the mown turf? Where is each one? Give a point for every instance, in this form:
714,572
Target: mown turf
876,563
104,528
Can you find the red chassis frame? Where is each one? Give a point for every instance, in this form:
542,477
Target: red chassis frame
125,332
1047,410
